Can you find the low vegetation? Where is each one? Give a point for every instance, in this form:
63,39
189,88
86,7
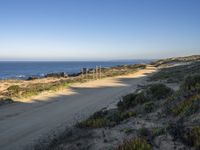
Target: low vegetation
186,101
176,60
194,137
187,107
20,91
150,93
4,101
177,74
34,89
135,144
191,83
149,107
105,119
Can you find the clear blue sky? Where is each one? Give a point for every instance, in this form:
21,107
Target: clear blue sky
98,29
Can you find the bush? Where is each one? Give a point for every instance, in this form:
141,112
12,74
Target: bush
34,89
194,137
144,132
135,144
105,119
149,107
158,131
4,101
187,107
127,101
191,82
94,123
159,91
152,92
13,90
176,129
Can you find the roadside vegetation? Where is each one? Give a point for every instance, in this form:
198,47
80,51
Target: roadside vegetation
32,89
4,101
135,144
107,118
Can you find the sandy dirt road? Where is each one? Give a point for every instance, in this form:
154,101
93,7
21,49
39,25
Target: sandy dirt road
23,123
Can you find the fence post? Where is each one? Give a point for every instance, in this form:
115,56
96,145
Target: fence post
82,75
93,71
100,72
96,72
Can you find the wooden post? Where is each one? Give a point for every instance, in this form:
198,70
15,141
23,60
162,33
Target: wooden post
93,71
100,72
82,75
96,72
86,73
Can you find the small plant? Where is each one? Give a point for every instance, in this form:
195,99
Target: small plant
14,90
192,137
127,101
4,101
135,144
158,131
149,107
152,92
94,123
187,107
176,129
102,119
144,132
127,130
131,100
159,91
191,82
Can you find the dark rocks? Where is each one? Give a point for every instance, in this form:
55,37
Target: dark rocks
57,75
4,101
32,78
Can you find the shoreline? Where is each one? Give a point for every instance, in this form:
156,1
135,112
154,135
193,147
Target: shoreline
22,89
41,69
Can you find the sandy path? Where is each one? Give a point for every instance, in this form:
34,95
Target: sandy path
23,123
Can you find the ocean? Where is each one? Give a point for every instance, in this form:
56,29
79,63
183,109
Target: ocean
25,69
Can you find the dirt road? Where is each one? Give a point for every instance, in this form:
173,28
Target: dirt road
22,124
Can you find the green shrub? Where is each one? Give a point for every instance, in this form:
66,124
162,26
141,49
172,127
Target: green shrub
158,131
191,82
127,101
176,129
141,98
34,89
105,119
4,101
187,107
135,144
94,123
144,132
194,137
131,100
152,92
159,91
13,90
127,130
149,107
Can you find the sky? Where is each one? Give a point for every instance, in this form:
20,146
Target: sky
98,29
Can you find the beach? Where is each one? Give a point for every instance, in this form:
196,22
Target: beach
23,123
